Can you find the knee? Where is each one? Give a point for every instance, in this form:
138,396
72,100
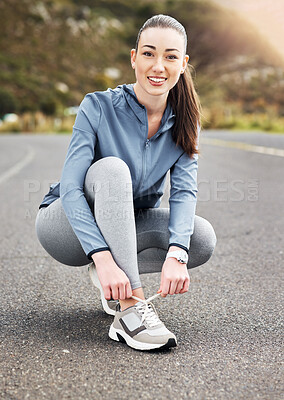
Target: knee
203,241
111,166
106,174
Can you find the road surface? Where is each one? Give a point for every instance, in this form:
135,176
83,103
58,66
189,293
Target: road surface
54,342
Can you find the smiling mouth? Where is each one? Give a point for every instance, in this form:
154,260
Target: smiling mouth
156,80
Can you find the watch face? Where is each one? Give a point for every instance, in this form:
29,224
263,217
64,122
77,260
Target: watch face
183,259
181,256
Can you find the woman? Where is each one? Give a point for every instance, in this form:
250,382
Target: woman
106,206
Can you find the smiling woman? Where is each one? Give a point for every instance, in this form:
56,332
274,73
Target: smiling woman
161,63
158,63
105,209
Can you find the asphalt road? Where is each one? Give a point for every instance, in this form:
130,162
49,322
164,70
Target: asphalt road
54,342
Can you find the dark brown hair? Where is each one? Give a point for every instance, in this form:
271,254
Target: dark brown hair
182,97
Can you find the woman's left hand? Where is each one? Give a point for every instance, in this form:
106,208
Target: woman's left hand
174,278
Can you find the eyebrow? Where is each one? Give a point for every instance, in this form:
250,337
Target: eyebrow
154,48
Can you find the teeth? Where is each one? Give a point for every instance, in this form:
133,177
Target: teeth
157,79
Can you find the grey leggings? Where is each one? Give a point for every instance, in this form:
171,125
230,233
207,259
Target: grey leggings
138,239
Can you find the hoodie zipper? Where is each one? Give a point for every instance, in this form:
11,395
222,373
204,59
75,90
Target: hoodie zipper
145,147
144,158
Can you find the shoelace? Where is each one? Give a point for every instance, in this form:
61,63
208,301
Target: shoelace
147,310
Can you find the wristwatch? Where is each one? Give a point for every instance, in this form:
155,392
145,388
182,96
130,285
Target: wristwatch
180,255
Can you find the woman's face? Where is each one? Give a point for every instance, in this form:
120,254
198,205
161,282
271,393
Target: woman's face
159,60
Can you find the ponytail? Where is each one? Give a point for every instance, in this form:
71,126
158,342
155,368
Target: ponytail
186,106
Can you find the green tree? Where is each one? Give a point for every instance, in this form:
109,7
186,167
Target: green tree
48,106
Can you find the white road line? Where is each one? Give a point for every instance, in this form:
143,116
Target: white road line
19,166
244,146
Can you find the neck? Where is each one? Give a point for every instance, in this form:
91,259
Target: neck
155,105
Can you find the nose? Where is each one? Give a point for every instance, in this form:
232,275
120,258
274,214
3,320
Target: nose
158,66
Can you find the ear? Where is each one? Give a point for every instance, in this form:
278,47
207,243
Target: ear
184,63
133,58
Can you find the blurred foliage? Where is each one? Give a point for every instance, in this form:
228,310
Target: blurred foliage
53,52
8,103
48,106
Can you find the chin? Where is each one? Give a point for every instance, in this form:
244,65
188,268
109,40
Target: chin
156,89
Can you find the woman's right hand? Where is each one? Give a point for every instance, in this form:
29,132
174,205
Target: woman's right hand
114,281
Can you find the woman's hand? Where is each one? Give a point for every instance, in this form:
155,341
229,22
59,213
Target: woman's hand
174,277
114,281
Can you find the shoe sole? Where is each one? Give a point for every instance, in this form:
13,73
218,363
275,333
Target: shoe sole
96,282
120,336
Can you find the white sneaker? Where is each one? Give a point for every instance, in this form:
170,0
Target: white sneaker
140,327
109,306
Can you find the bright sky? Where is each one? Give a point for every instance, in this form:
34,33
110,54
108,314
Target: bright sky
266,15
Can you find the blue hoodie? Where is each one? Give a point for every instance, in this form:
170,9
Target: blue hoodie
114,123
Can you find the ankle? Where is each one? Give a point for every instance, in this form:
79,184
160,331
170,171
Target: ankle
131,302
124,304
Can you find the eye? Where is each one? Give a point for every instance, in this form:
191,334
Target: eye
173,57
147,53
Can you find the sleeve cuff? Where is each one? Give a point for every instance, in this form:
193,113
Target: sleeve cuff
89,255
43,205
179,245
